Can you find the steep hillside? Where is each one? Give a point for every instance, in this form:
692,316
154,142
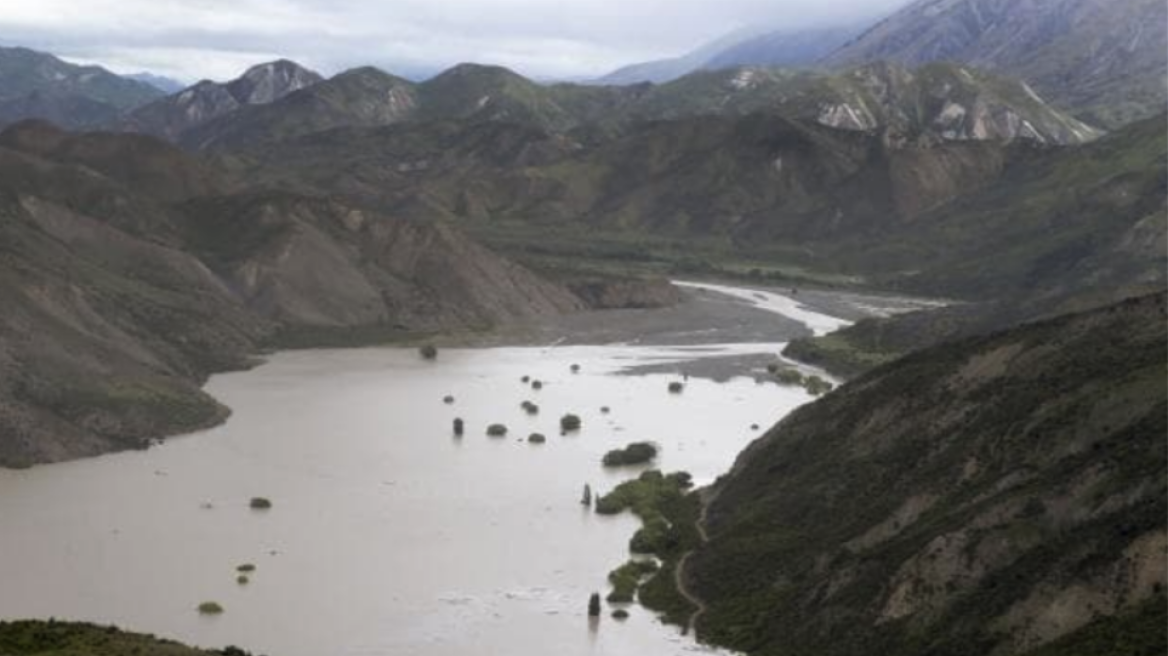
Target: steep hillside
38,85
128,273
1104,59
991,496
173,115
1060,231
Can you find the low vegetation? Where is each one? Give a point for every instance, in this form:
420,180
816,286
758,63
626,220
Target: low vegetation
55,638
669,517
627,578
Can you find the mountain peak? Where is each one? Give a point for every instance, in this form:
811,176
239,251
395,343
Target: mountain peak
264,83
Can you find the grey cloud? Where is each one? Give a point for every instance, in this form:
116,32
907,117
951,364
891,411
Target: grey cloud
215,38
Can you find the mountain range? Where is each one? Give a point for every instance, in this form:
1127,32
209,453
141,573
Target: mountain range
948,102
38,85
1102,60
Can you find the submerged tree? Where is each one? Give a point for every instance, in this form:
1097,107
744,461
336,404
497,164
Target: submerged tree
587,498
594,605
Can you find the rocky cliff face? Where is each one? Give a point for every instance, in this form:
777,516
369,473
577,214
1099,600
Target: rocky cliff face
129,273
990,496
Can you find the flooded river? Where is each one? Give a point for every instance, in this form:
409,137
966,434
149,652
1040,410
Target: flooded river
388,535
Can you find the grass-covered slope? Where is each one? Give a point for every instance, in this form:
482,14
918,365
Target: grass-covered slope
53,638
994,495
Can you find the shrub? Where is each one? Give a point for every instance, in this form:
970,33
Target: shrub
675,387
817,386
428,351
210,608
260,503
496,430
789,376
637,453
569,422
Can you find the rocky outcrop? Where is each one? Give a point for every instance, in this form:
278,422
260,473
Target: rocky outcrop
617,294
172,116
989,496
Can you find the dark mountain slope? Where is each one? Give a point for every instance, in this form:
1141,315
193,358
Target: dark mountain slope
38,85
24,71
987,496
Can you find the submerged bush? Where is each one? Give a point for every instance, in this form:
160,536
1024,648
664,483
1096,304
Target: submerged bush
637,453
529,407
496,430
537,438
242,579
448,399
458,426
210,608
676,387
428,351
570,422
246,567
260,503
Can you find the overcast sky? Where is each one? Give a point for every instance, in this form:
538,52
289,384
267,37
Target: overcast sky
217,39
